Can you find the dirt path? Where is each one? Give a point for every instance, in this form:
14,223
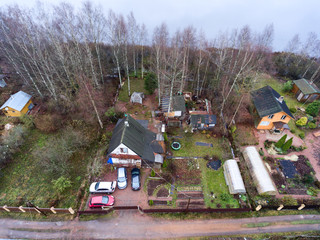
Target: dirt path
133,225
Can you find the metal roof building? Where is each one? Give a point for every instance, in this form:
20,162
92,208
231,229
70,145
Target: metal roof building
233,177
17,101
258,171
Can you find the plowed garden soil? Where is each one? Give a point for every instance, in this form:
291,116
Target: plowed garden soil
153,184
163,192
187,172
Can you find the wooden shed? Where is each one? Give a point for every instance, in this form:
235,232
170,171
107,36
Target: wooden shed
17,105
305,91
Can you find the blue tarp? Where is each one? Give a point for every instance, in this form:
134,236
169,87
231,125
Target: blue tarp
110,160
204,144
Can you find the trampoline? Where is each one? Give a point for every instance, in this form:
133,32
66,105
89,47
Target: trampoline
175,146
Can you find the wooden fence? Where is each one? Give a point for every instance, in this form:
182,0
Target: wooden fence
35,209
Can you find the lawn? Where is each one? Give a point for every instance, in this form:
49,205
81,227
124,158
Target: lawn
190,149
214,184
136,84
212,181
290,99
23,179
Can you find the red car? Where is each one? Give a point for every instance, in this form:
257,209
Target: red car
101,201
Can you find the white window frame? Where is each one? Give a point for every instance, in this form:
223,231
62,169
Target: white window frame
124,150
283,117
270,116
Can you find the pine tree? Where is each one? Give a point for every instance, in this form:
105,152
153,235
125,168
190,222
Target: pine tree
287,145
281,141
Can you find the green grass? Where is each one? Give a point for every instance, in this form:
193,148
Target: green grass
276,85
190,149
23,179
255,225
214,182
136,85
305,222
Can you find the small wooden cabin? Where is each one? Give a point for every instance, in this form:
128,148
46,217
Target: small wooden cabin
305,91
17,105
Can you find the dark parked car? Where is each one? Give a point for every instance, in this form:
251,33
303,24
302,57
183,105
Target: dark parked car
101,201
135,179
122,178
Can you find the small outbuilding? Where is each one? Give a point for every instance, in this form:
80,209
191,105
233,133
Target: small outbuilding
233,177
2,81
305,91
203,121
137,97
17,105
258,171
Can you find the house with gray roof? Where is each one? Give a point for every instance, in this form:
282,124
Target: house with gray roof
271,110
17,105
174,108
134,145
305,91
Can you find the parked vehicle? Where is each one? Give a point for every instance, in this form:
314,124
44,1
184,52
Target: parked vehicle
135,179
122,178
103,187
101,201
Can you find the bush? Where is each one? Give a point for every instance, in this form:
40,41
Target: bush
55,154
165,136
61,184
150,202
27,121
153,174
165,164
302,135
48,123
293,109
302,121
15,138
289,201
113,115
313,108
292,130
312,125
287,86
150,82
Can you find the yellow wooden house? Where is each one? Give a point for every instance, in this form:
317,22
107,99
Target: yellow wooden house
17,105
272,110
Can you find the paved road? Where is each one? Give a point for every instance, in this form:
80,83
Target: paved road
130,224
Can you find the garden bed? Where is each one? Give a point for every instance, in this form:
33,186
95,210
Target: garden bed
187,172
153,184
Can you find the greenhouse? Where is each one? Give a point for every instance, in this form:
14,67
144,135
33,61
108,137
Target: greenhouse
233,177
259,172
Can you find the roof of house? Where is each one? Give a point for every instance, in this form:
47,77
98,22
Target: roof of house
266,102
140,140
17,101
178,104
306,87
201,118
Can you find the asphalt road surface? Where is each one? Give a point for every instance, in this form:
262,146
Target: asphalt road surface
133,225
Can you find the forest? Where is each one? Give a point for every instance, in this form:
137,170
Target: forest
76,59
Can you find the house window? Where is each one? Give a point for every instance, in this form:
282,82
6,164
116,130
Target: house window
270,116
264,123
283,117
124,150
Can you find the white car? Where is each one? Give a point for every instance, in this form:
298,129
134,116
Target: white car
103,187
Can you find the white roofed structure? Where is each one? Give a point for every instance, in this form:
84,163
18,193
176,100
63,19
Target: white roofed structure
233,177
17,101
137,97
259,172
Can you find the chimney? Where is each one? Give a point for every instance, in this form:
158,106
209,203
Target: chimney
280,99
